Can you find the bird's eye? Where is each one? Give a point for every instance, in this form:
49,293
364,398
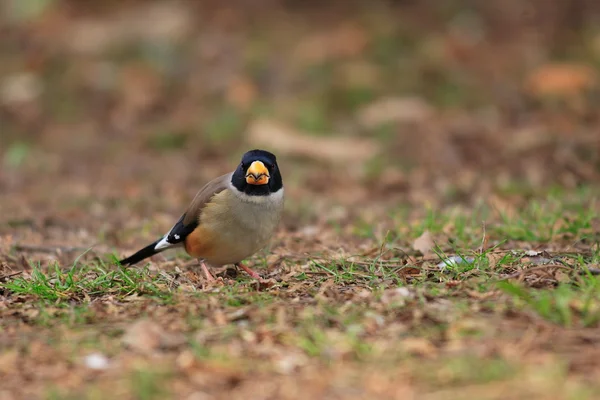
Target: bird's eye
273,166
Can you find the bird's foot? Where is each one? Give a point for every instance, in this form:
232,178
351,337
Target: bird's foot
249,271
207,273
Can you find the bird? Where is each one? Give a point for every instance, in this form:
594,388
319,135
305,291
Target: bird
230,218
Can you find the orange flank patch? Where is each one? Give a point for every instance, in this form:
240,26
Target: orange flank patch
199,243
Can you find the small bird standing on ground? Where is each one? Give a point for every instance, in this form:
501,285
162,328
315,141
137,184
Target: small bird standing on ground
231,217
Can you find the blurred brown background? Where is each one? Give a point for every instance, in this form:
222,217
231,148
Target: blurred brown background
104,102
421,143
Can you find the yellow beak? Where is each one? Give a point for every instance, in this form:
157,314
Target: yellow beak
257,174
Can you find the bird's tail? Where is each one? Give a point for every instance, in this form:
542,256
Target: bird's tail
142,254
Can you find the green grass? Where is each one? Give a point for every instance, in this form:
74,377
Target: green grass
311,117
479,304
575,303
541,221
16,154
168,140
149,384
81,283
348,309
469,370
223,125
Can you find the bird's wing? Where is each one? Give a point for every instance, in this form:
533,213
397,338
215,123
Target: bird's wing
191,217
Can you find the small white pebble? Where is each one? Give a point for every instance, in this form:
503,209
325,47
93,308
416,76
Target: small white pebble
454,261
96,361
532,253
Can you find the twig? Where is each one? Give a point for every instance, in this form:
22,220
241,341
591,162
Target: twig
541,267
591,270
483,241
5,277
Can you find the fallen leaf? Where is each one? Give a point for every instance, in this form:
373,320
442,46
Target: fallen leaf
155,23
346,40
494,258
310,231
289,362
424,243
186,287
393,179
264,284
140,87
562,277
564,79
452,284
465,327
529,138
480,296
143,336
146,336
9,361
394,109
241,92
186,361
288,141
396,296
418,346
20,88
219,318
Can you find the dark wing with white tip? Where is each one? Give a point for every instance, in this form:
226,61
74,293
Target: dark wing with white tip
186,223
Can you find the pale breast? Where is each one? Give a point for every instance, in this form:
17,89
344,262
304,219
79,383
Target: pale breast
240,227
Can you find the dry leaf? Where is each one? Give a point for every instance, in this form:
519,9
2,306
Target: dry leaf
396,296
419,347
347,40
465,327
20,88
146,336
289,362
143,336
424,243
561,276
394,109
140,87
494,258
186,361
241,92
162,21
288,141
9,361
529,138
561,80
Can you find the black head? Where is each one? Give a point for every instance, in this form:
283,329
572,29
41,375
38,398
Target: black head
258,174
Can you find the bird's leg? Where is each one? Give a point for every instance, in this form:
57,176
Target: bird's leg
209,276
249,271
